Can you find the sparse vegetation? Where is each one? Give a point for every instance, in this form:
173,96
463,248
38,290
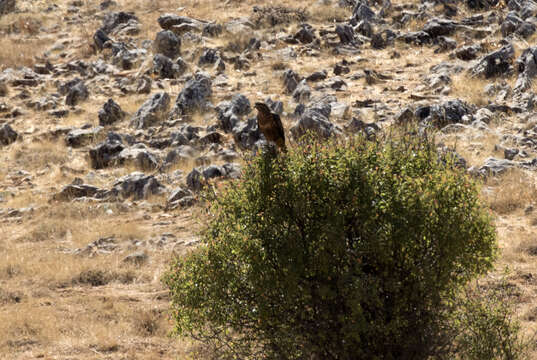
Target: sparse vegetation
71,283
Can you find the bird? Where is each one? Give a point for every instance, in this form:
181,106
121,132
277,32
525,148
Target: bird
270,125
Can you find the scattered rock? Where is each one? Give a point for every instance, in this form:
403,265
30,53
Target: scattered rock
496,63
137,258
110,113
167,44
195,96
105,153
152,111
7,6
316,118
7,135
81,137
76,93
137,186
290,80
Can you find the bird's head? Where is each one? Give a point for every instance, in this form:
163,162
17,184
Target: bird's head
262,107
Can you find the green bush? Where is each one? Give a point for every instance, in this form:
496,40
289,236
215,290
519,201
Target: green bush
341,250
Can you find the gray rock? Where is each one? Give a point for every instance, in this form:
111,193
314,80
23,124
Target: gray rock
208,57
302,92
76,93
316,118
82,137
7,6
166,68
513,24
7,135
496,63
526,66
105,153
116,21
152,111
137,258
193,180
345,33
305,35
137,186
494,167
290,81
178,194
416,38
246,134
100,38
167,21
195,96
110,113
317,76
72,191
167,44
139,157
439,27
362,12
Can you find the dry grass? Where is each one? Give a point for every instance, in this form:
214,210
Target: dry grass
469,89
17,52
39,154
56,304
510,192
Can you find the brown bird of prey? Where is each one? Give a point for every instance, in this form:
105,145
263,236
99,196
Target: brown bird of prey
270,125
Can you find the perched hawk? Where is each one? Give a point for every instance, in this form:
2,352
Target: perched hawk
270,125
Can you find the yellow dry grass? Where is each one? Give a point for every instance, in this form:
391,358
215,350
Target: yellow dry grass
510,192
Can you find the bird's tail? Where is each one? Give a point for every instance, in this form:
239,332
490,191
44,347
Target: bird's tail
281,145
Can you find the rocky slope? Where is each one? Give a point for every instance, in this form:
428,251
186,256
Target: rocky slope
114,114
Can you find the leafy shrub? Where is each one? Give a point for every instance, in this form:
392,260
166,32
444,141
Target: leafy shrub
341,250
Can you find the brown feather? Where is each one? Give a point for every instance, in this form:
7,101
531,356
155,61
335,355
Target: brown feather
270,125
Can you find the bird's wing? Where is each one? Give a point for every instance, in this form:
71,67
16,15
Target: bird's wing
279,125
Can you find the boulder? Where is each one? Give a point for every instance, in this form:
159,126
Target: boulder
120,22
316,118
81,137
195,96
139,157
152,111
526,66
167,44
495,63
165,68
137,186
110,113
76,93
7,135
105,153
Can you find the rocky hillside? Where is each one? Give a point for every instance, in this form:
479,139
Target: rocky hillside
113,114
